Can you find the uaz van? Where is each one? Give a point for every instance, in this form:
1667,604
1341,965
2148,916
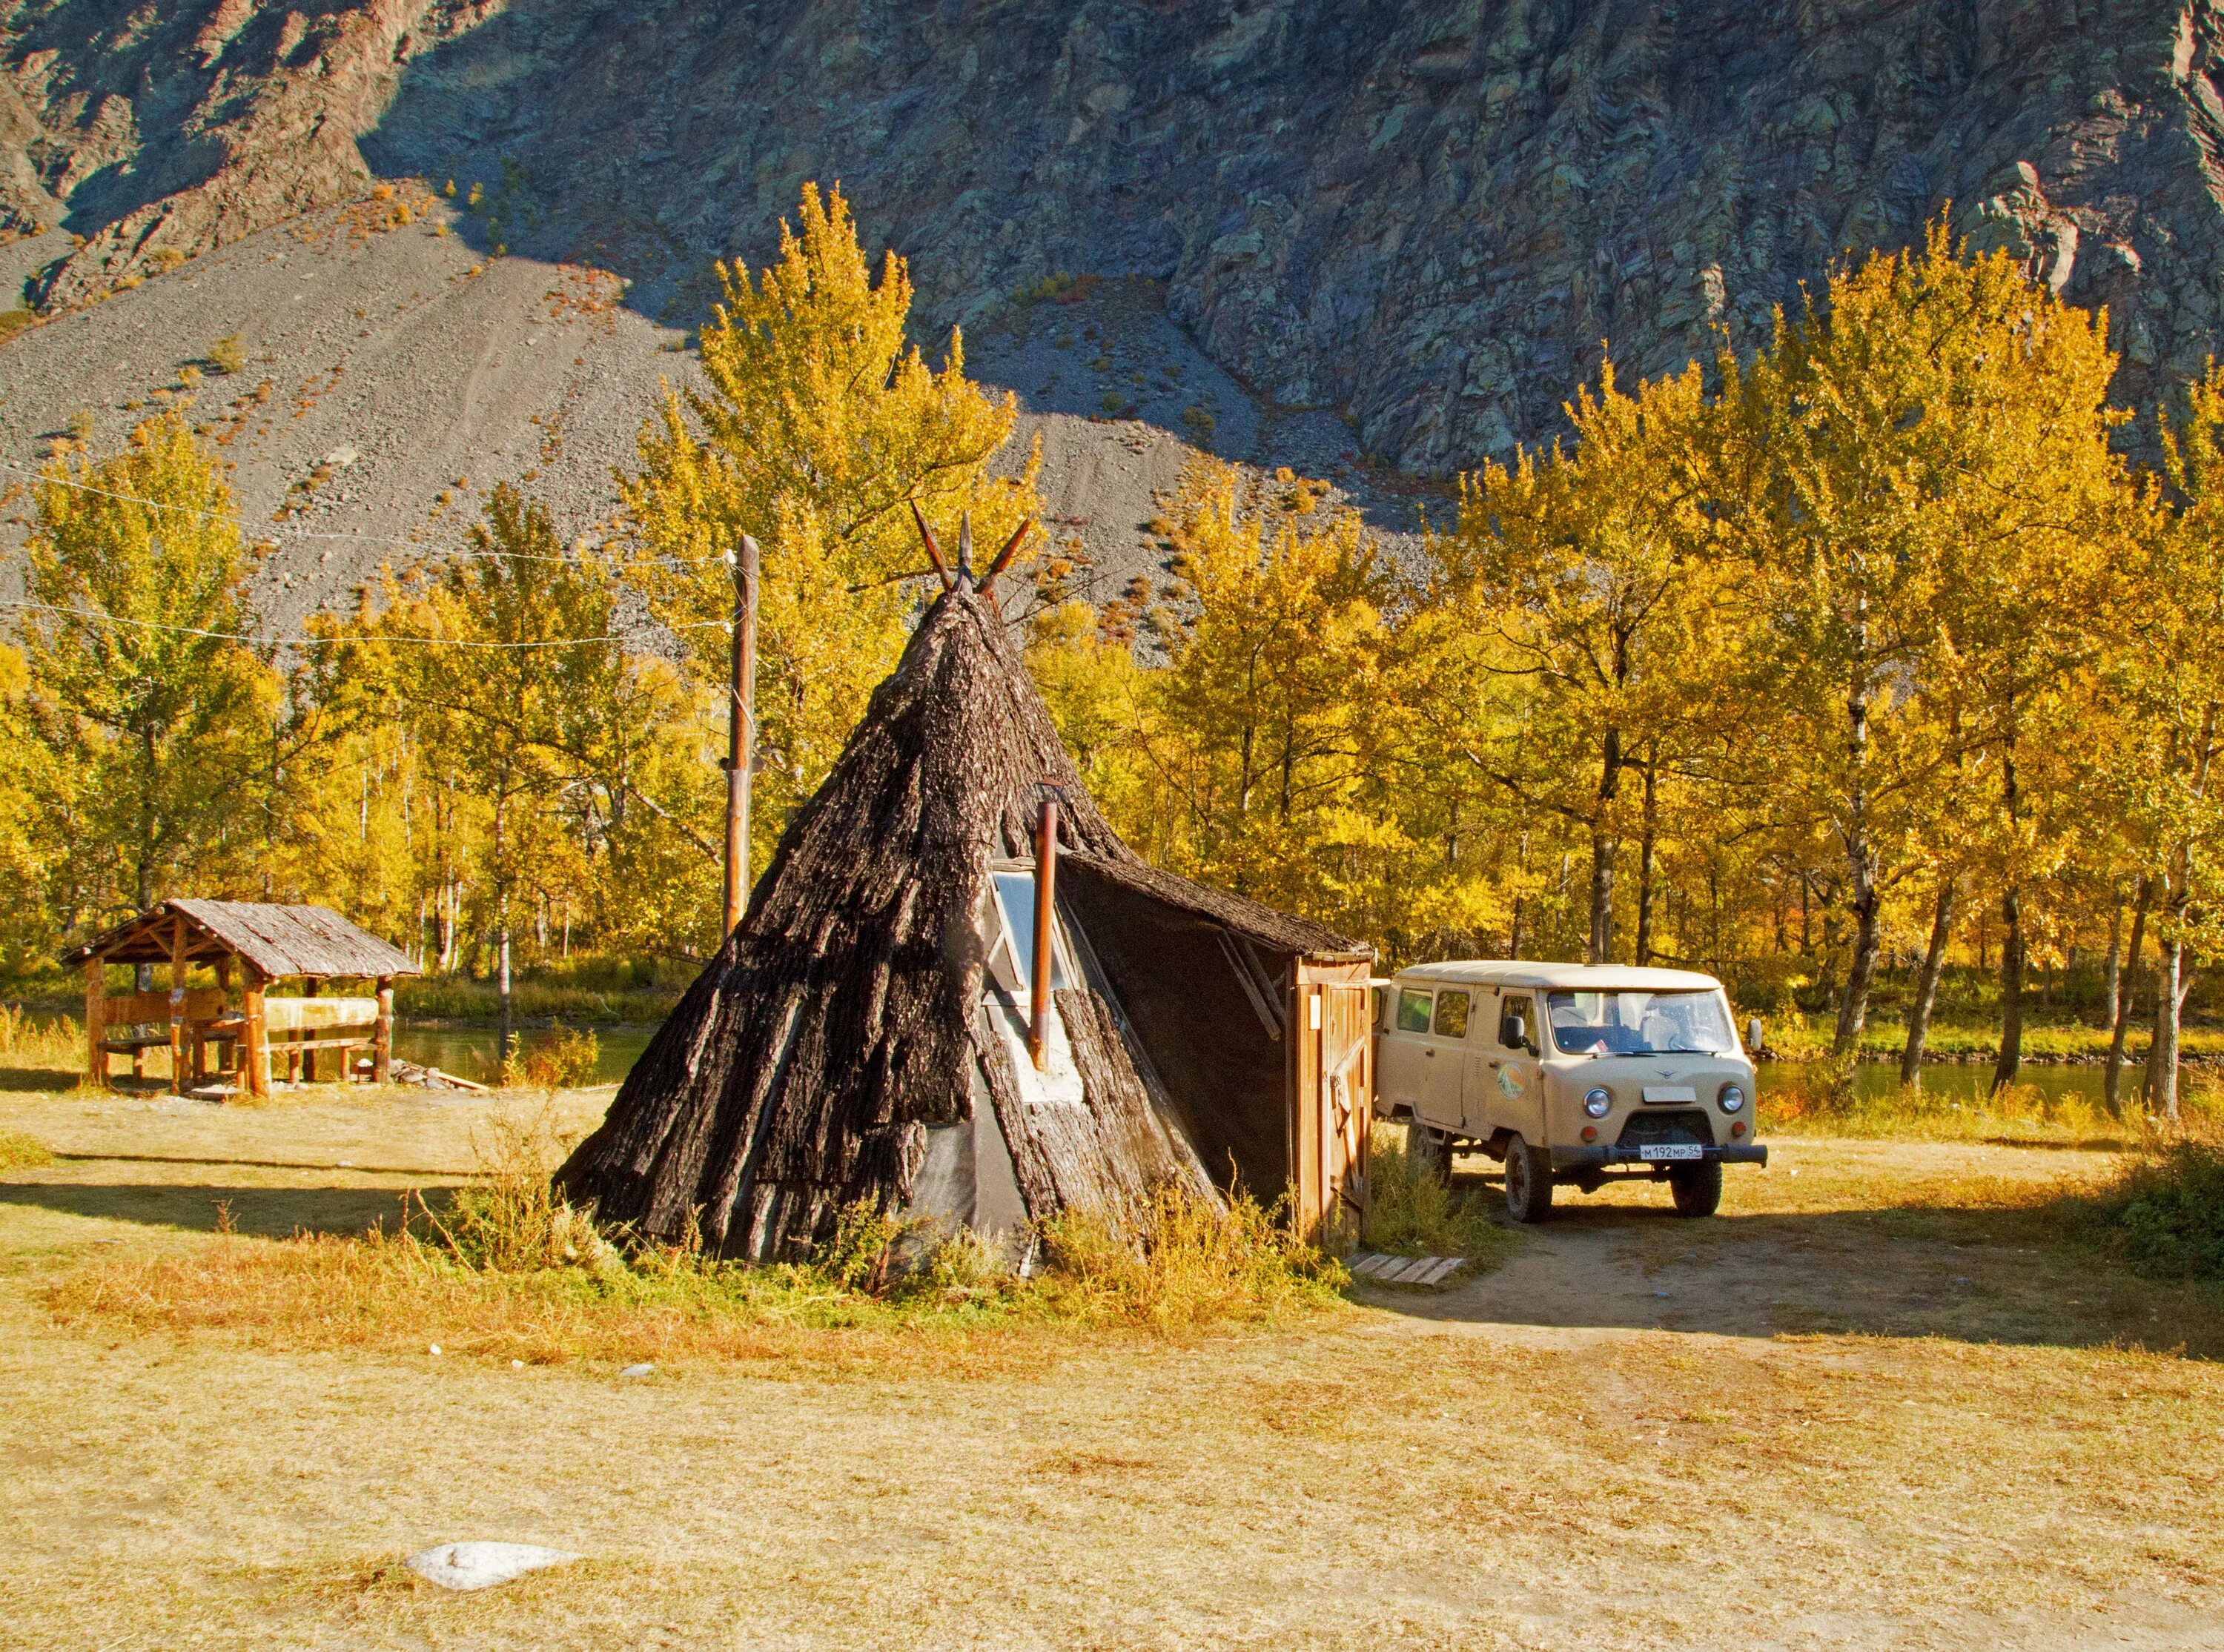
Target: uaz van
1571,1074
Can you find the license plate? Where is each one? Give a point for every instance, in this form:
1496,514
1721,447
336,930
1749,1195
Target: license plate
1671,1150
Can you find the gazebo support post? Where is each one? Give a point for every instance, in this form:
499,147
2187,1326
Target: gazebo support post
255,1054
178,1081
381,1043
223,1007
95,1022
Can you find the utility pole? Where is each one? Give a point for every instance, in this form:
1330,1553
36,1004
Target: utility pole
741,722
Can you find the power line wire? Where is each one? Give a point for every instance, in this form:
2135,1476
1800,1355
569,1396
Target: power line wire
95,616
358,539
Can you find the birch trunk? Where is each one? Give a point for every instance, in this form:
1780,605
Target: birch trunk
1646,845
2113,1086
2010,1061
1926,987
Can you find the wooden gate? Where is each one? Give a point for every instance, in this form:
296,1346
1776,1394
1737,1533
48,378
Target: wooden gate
1331,1095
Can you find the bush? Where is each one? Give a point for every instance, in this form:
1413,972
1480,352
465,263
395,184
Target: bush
563,1059
226,356
1200,1264
1412,1211
2165,1212
25,1042
1114,403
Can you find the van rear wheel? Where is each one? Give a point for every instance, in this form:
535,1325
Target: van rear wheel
1697,1188
1528,1181
1432,1150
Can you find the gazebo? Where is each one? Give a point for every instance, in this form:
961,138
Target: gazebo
262,944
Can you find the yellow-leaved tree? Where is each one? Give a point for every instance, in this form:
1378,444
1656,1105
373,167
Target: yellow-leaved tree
1922,454
2168,680
819,428
566,761
150,720
1579,576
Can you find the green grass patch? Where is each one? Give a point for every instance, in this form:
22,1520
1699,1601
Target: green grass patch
1822,1100
19,1151
1807,1037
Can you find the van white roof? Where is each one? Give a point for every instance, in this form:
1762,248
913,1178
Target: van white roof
1565,977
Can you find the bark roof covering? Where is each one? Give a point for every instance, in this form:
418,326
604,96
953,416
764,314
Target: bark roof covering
279,941
800,1072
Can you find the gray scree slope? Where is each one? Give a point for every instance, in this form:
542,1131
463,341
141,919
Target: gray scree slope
1423,218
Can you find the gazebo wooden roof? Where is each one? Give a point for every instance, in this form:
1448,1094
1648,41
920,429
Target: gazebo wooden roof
279,941
273,943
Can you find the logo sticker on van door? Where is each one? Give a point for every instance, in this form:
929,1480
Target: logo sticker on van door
1509,1080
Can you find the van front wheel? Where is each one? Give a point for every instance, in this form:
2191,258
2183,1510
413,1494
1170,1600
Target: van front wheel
1528,1181
1697,1188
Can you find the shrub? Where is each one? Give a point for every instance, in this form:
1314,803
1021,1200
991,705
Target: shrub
1114,403
1200,1264
2164,1213
1200,424
565,1058
226,356
1412,1209
24,1042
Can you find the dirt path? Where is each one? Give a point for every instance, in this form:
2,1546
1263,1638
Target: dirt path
1877,1409
1860,1237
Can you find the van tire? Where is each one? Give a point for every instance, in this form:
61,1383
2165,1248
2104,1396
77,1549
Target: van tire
1431,1148
1697,1188
1528,1181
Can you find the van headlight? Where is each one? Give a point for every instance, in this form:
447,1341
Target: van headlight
1732,1099
1598,1103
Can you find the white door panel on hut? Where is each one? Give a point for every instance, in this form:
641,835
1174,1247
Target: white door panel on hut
839,1035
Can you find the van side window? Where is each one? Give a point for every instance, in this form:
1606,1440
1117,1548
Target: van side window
1451,1015
1413,1010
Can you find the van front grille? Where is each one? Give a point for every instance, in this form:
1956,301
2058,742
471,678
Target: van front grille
1663,1128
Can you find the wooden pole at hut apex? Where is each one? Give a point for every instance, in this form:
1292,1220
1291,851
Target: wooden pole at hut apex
741,719
1045,919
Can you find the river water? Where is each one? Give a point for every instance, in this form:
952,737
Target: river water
470,1052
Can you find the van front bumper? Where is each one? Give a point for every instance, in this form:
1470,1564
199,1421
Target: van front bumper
1590,1158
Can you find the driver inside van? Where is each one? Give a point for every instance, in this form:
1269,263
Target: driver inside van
1638,1023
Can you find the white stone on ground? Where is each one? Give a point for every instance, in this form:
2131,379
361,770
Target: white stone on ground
479,1566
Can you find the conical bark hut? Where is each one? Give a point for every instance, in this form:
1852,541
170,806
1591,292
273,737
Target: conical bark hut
861,1035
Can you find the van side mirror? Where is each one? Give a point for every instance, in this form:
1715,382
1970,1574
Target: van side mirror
1514,1031
1754,1040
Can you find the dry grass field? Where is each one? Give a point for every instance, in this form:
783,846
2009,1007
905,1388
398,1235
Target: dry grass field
1880,1403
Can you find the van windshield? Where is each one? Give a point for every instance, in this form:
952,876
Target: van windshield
1691,1023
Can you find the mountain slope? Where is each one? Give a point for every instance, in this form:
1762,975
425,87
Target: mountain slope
1426,215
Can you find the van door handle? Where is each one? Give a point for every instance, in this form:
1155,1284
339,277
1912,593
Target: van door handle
1431,1054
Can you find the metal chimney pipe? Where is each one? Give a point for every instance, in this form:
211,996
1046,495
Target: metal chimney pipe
1045,919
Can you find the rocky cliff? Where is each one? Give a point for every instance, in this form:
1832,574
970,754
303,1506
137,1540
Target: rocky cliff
1426,217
